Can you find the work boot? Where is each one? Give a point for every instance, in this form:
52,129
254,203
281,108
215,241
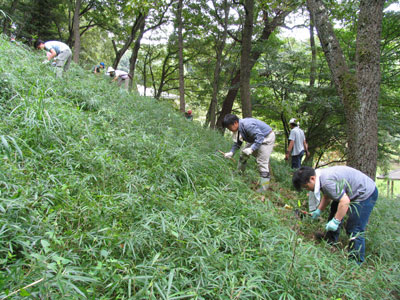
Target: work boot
264,184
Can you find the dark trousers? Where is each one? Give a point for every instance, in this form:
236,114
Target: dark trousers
357,221
296,160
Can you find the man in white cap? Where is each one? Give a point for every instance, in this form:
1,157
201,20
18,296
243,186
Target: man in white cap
122,76
297,144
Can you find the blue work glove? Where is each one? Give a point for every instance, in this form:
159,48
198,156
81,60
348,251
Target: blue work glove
332,225
315,214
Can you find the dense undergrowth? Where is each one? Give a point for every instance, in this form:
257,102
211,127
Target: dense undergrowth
108,195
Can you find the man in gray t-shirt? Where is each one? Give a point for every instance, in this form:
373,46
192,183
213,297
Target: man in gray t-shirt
297,144
354,193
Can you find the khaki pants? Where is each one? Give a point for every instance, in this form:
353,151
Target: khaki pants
63,60
124,82
262,154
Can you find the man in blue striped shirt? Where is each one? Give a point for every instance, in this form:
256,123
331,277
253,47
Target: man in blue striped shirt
260,141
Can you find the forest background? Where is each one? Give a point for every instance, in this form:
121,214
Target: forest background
220,57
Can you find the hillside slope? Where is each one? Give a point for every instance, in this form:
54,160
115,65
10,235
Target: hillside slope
108,195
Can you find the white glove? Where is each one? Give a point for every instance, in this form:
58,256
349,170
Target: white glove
248,151
228,155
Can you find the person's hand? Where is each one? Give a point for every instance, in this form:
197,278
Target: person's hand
228,154
286,156
307,153
315,214
332,225
248,151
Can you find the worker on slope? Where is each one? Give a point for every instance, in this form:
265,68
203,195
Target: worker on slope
188,115
59,51
297,144
120,76
260,141
354,193
98,68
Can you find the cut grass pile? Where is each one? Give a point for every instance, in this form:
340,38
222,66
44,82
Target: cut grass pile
108,195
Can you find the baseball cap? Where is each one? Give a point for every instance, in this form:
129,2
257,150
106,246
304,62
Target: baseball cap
292,121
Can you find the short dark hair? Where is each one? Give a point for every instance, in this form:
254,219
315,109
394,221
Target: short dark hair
37,43
302,176
229,119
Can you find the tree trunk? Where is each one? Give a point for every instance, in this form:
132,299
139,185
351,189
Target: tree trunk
229,99
180,55
269,27
359,92
134,56
119,53
313,72
363,151
77,35
313,67
220,46
166,71
144,72
245,58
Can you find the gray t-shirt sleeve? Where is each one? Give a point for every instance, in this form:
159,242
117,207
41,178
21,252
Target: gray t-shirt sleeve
338,180
334,189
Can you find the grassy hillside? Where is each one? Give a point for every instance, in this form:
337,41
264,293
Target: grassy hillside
107,195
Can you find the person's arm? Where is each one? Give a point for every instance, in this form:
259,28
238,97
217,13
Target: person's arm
289,149
324,202
343,207
236,146
306,148
52,55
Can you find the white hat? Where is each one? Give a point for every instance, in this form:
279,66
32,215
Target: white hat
110,69
292,121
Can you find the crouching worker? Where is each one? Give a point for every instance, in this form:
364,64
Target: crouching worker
120,76
354,193
59,51
98,68
260,141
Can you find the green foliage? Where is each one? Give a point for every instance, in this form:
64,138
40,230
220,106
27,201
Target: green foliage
107,195
389,109
284,92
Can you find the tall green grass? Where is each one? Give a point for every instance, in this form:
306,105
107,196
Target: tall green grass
108,195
